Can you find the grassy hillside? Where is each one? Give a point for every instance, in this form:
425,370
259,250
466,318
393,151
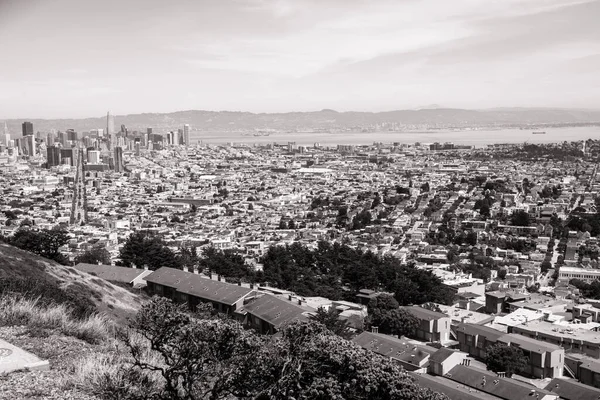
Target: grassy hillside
27,274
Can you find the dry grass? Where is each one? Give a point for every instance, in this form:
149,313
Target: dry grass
29,312
109,374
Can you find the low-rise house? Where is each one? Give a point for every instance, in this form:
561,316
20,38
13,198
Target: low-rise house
268,313
545,360
572,390
131,276
411,356
475,339
443,360
433,326
502,387
193,289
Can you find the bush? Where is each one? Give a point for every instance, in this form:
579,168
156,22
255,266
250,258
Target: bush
75,298
32,313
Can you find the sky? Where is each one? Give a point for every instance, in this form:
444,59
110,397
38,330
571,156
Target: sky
82,58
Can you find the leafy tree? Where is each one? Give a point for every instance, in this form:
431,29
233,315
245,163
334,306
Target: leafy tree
502,358
44,242
95,255
330,318
144,248
226,263
389,318
180,356
520,218
196,358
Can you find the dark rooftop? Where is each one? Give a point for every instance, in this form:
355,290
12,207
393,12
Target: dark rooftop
195,285
111,272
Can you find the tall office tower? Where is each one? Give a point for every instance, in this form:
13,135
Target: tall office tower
72,135
180,137
27,128
144,140
53,156
79,205
186,135
110,129
137,149
94,156
175,138
50,139
123,129
29,145
7,140
68,154
119,166
5,131
149,131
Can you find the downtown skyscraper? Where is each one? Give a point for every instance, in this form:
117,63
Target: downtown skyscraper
186,135
110,130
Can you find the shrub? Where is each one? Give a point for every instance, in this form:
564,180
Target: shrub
33,314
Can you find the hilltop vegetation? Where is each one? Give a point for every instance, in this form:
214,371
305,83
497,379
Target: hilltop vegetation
29,276
172,354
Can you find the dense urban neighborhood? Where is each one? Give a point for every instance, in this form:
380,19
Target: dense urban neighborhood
474,269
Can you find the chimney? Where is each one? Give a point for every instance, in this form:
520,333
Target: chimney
133,266
196,271
375,329
299,302
209,275
185,268
146,267
240,283
289,297
251,286
219,278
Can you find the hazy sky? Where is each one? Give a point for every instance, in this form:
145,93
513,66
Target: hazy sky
79,58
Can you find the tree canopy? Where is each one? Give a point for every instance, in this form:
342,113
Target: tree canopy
143,248
176,355
502,358
338,271
43,242
95,255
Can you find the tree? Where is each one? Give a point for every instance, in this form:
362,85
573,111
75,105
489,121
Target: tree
332,321
502,358
226,263
196,358
520,218
144,248
44,242
181,356
95,255
389,318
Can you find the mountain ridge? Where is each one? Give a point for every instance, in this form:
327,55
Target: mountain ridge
224,121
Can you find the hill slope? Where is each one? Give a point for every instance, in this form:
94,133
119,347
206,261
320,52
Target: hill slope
49,279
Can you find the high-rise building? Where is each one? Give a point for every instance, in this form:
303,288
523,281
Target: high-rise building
53,156
94,156
79,204
110,130
27,128
50,139
29,145
149,131
186,135
72,135
119,166
62,139
68,154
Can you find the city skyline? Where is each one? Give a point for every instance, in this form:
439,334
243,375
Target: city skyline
278,56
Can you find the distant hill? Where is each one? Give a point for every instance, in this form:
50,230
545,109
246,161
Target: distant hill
325,119
57,283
